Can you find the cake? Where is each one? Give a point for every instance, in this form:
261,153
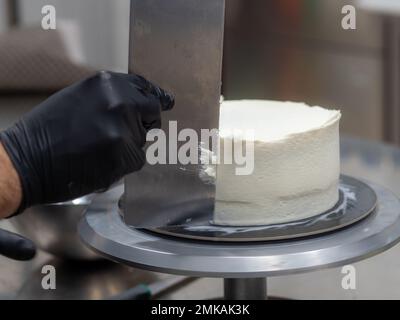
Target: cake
296,163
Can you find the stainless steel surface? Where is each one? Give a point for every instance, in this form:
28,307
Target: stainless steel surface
53,228
87,280
245,289
159,287
178,45
356,201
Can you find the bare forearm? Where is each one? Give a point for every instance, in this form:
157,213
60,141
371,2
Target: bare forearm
10,186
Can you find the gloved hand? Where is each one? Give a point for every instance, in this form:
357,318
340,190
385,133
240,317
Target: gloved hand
85,137
16,247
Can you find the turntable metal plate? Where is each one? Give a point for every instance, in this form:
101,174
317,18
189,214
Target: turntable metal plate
356,201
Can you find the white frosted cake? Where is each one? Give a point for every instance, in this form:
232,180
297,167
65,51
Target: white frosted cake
296,163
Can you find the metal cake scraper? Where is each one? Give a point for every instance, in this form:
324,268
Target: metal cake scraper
177,44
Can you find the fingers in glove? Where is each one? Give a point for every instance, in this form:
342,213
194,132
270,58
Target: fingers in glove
154,100
16,247
166,99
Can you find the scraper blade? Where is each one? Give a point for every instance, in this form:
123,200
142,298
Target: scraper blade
177,44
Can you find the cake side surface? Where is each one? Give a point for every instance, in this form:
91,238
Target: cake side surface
296,171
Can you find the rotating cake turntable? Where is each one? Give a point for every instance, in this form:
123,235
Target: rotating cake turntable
245,265
365,221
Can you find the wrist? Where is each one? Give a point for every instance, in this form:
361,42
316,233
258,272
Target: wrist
10,186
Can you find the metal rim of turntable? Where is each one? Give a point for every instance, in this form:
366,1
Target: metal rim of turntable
102,229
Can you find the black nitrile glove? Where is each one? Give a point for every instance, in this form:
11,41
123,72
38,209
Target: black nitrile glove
85,137
16,247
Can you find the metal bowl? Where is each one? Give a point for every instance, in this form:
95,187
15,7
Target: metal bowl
53,228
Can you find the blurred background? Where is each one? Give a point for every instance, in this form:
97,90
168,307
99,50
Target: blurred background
284,50
298,50
91,35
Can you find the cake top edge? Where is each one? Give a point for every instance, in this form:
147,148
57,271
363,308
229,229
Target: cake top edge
269,120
